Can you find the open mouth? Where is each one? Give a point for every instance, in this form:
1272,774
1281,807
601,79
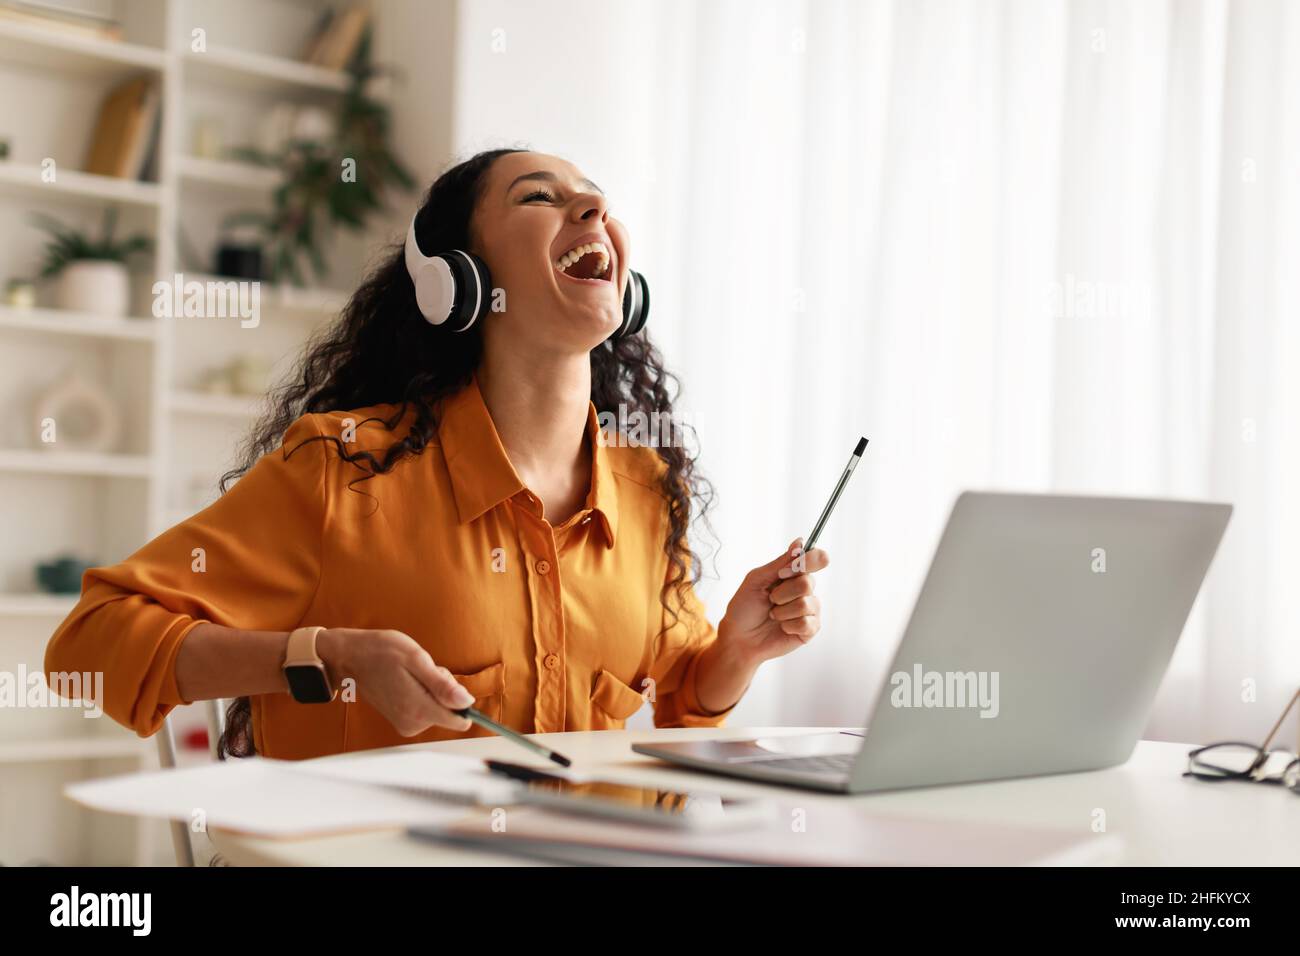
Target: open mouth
588,262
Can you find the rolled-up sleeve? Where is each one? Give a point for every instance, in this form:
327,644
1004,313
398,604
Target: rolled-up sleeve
677,704
252,560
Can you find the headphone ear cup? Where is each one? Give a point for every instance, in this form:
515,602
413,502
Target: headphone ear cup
452,289
435,289
472,289
636,305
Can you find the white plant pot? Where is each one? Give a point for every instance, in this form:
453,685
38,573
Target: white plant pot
95,285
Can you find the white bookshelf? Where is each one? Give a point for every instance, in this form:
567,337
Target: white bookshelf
80,324
25,180
36,604
74,748
240,408
93,464
255,72
219,174
102,506
51,50
313,304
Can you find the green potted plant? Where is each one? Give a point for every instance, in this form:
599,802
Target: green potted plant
91,271
315,199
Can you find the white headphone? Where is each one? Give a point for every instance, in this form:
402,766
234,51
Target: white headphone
454,289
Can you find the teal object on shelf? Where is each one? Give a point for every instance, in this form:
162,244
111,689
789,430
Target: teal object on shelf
62,575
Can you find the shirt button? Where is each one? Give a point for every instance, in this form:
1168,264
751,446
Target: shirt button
543,567
551,662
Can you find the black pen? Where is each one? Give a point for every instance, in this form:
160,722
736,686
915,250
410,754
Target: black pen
835,495
516,771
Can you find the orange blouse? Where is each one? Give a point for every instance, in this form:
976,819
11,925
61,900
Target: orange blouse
551,628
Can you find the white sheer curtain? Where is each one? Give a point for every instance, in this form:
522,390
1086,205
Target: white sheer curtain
1021,245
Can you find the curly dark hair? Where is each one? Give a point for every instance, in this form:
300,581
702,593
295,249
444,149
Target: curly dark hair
381,351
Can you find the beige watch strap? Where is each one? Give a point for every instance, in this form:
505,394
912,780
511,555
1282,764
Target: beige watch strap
301,649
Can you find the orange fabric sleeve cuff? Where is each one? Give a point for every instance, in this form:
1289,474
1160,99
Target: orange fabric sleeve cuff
690,713
169,692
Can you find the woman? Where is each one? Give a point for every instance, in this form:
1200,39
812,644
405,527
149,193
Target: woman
444,522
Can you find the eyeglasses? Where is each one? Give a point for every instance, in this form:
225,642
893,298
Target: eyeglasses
1257,764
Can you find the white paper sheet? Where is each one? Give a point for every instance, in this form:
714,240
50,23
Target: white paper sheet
277,798
422,772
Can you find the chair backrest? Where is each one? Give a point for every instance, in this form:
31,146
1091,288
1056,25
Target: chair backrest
215,712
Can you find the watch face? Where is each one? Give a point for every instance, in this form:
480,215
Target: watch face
308,685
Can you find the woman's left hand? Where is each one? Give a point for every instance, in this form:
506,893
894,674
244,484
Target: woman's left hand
775,610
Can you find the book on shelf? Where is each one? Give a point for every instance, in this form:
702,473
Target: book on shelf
336,37
125,132
147,168
317,36
53,16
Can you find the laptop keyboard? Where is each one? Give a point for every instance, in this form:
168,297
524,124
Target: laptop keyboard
828,763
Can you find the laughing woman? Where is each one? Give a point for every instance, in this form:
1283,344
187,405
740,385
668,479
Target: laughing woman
429,518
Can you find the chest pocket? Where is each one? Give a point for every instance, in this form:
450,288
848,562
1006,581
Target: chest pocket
612,702
487,686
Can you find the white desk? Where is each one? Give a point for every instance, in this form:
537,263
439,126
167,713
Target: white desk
1161,818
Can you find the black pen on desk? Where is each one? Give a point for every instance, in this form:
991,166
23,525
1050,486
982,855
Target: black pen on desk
835,495
469,713
516,771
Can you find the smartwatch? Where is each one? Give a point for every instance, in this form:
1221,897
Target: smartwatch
309,682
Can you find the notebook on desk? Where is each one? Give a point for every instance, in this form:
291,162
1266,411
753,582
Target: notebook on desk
811,834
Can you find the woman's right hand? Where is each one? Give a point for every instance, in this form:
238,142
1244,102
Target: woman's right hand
396,676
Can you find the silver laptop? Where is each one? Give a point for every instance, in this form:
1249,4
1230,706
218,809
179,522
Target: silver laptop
1036,646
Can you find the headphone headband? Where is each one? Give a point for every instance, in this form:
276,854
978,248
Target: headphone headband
414,257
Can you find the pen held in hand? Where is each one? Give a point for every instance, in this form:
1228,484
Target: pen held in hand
835,495
469,713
